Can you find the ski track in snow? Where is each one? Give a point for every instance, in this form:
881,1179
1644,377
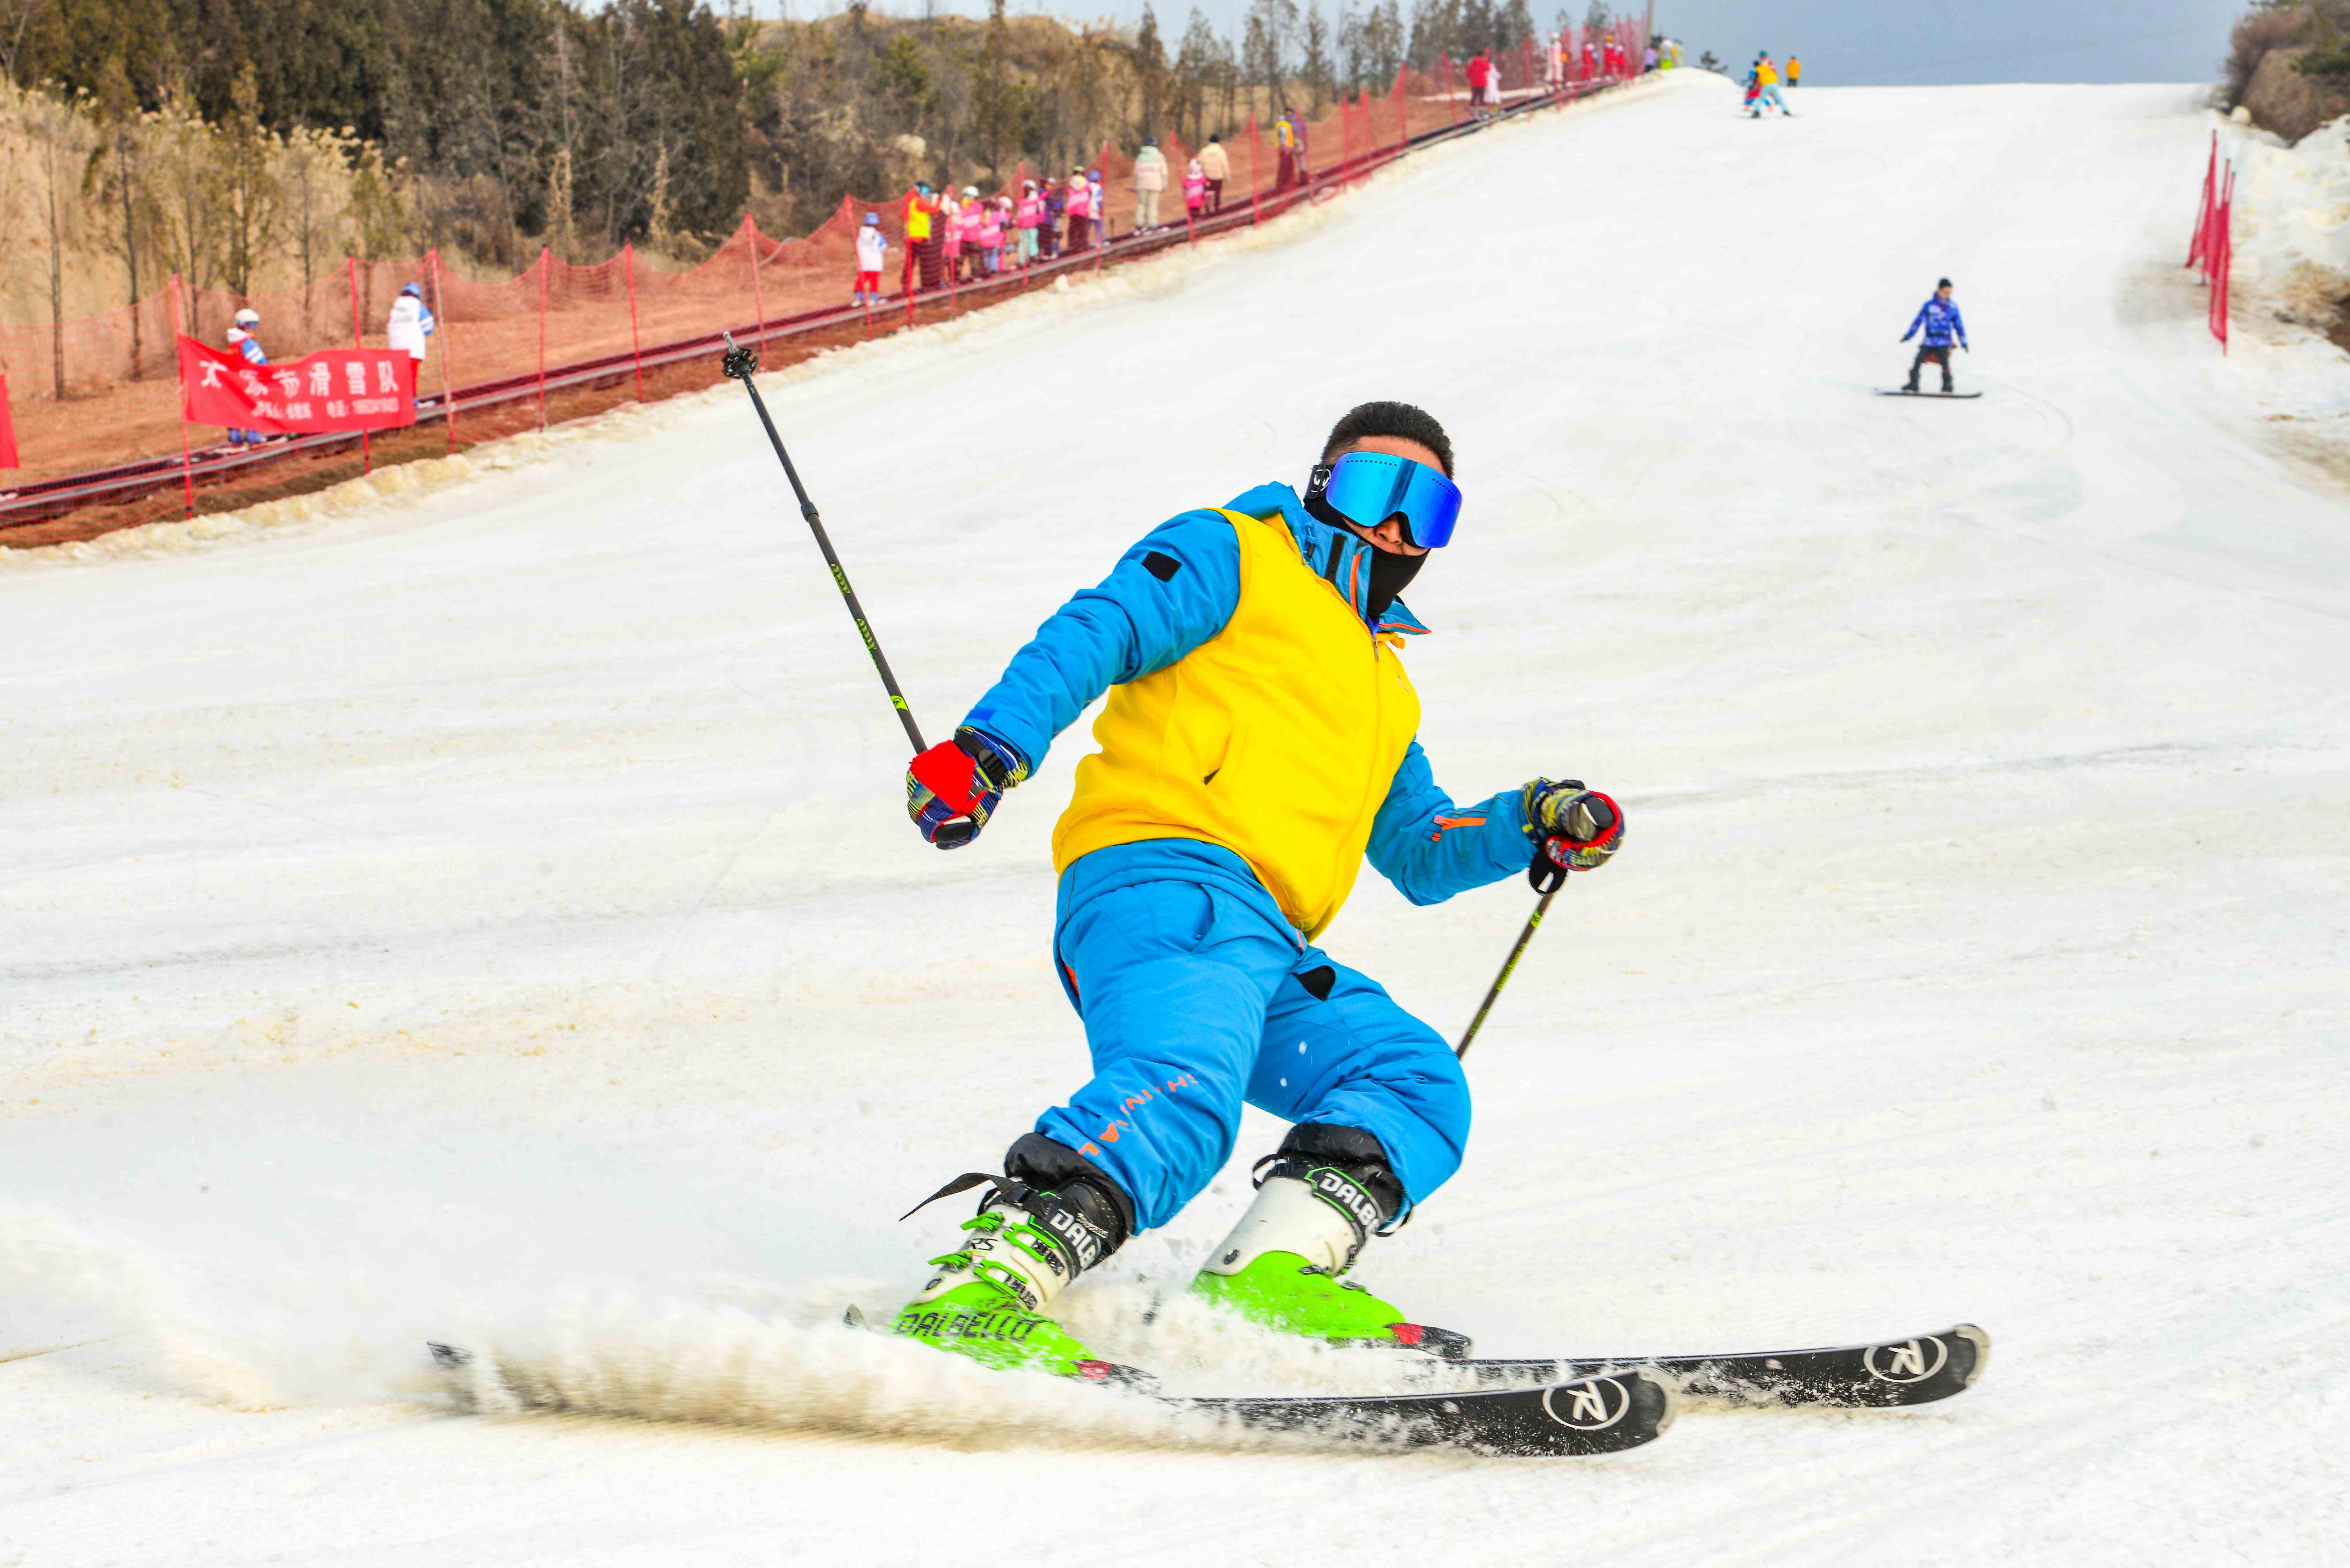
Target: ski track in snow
486,911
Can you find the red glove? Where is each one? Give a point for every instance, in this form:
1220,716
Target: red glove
952,788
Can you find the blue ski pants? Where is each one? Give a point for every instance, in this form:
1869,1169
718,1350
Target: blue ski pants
1198,996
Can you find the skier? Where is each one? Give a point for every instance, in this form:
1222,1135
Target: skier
1195,190
872,250
242,327
1481,75
1257,742
1794,72
1939,317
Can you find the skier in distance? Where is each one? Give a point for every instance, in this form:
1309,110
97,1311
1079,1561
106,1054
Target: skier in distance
1939,317
1259,741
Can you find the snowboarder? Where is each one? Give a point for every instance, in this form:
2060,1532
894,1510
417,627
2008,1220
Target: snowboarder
1766,89
872,250
1258,742
1939,317
1481,75
1794,72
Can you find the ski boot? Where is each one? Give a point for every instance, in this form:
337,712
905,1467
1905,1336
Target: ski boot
1322,1196
1055,1216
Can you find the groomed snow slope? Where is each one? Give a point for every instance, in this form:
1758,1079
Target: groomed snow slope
492,914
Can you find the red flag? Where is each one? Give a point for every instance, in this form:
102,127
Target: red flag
8,429
333,390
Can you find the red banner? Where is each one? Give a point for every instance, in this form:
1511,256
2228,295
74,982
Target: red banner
7,427
333,390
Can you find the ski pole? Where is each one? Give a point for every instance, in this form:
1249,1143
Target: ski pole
1517,952
740,363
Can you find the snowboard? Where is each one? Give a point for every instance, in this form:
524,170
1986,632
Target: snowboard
1902,392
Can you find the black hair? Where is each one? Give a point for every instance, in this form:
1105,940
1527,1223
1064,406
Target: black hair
1944,284
1386,419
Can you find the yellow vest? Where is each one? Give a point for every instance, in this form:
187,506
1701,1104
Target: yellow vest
1277,738
1766,75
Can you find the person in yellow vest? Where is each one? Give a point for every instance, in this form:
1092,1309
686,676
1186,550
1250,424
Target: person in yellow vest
1766,89
1794,71
1259,741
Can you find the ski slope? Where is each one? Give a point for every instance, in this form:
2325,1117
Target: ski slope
490,912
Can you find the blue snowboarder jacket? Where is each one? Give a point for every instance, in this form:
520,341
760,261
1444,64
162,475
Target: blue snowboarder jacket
1941,321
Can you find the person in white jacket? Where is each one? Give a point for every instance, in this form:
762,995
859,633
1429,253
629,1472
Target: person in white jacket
872,252
1150,180
409,323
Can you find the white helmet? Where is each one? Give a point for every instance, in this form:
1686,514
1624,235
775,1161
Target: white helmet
248,318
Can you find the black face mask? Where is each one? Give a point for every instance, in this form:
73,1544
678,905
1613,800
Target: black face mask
1390,573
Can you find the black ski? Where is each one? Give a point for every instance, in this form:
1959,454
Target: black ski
1572,1419
1905,392
1576,1418
1895,1372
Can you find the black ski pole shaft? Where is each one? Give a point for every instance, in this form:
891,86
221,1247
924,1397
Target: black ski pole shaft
1503,978
740,363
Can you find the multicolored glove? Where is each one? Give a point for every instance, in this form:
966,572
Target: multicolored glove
952,788
1574,829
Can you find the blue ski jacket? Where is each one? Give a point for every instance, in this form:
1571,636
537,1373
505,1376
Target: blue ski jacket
1941,321
1139,621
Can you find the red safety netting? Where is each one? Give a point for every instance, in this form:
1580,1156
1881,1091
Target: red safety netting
2213,246
100,390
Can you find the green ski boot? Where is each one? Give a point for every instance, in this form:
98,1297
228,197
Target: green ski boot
987,1300
1284,1266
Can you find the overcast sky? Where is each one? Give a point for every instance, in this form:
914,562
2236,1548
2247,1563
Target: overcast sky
1839,41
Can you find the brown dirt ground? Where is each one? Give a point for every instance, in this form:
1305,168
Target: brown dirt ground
301,475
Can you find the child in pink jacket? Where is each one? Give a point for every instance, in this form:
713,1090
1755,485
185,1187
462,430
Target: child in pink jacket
1195,189
991,238
1025,218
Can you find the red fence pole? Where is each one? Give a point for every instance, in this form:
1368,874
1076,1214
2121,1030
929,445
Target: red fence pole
441,323
1451,107
2194,248
758,304
636,348
187,463
1403,107
367,454
1255,180
2223,241
543,254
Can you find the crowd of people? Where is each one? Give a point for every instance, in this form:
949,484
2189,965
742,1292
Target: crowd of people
955,237
964,237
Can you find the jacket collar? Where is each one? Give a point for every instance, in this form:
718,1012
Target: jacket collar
1337,555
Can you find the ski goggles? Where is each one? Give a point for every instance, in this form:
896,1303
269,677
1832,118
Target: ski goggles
1370,487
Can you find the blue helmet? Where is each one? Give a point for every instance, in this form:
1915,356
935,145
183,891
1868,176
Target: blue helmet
872,220
411,288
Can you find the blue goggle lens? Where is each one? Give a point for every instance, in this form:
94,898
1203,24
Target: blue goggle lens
1370,487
